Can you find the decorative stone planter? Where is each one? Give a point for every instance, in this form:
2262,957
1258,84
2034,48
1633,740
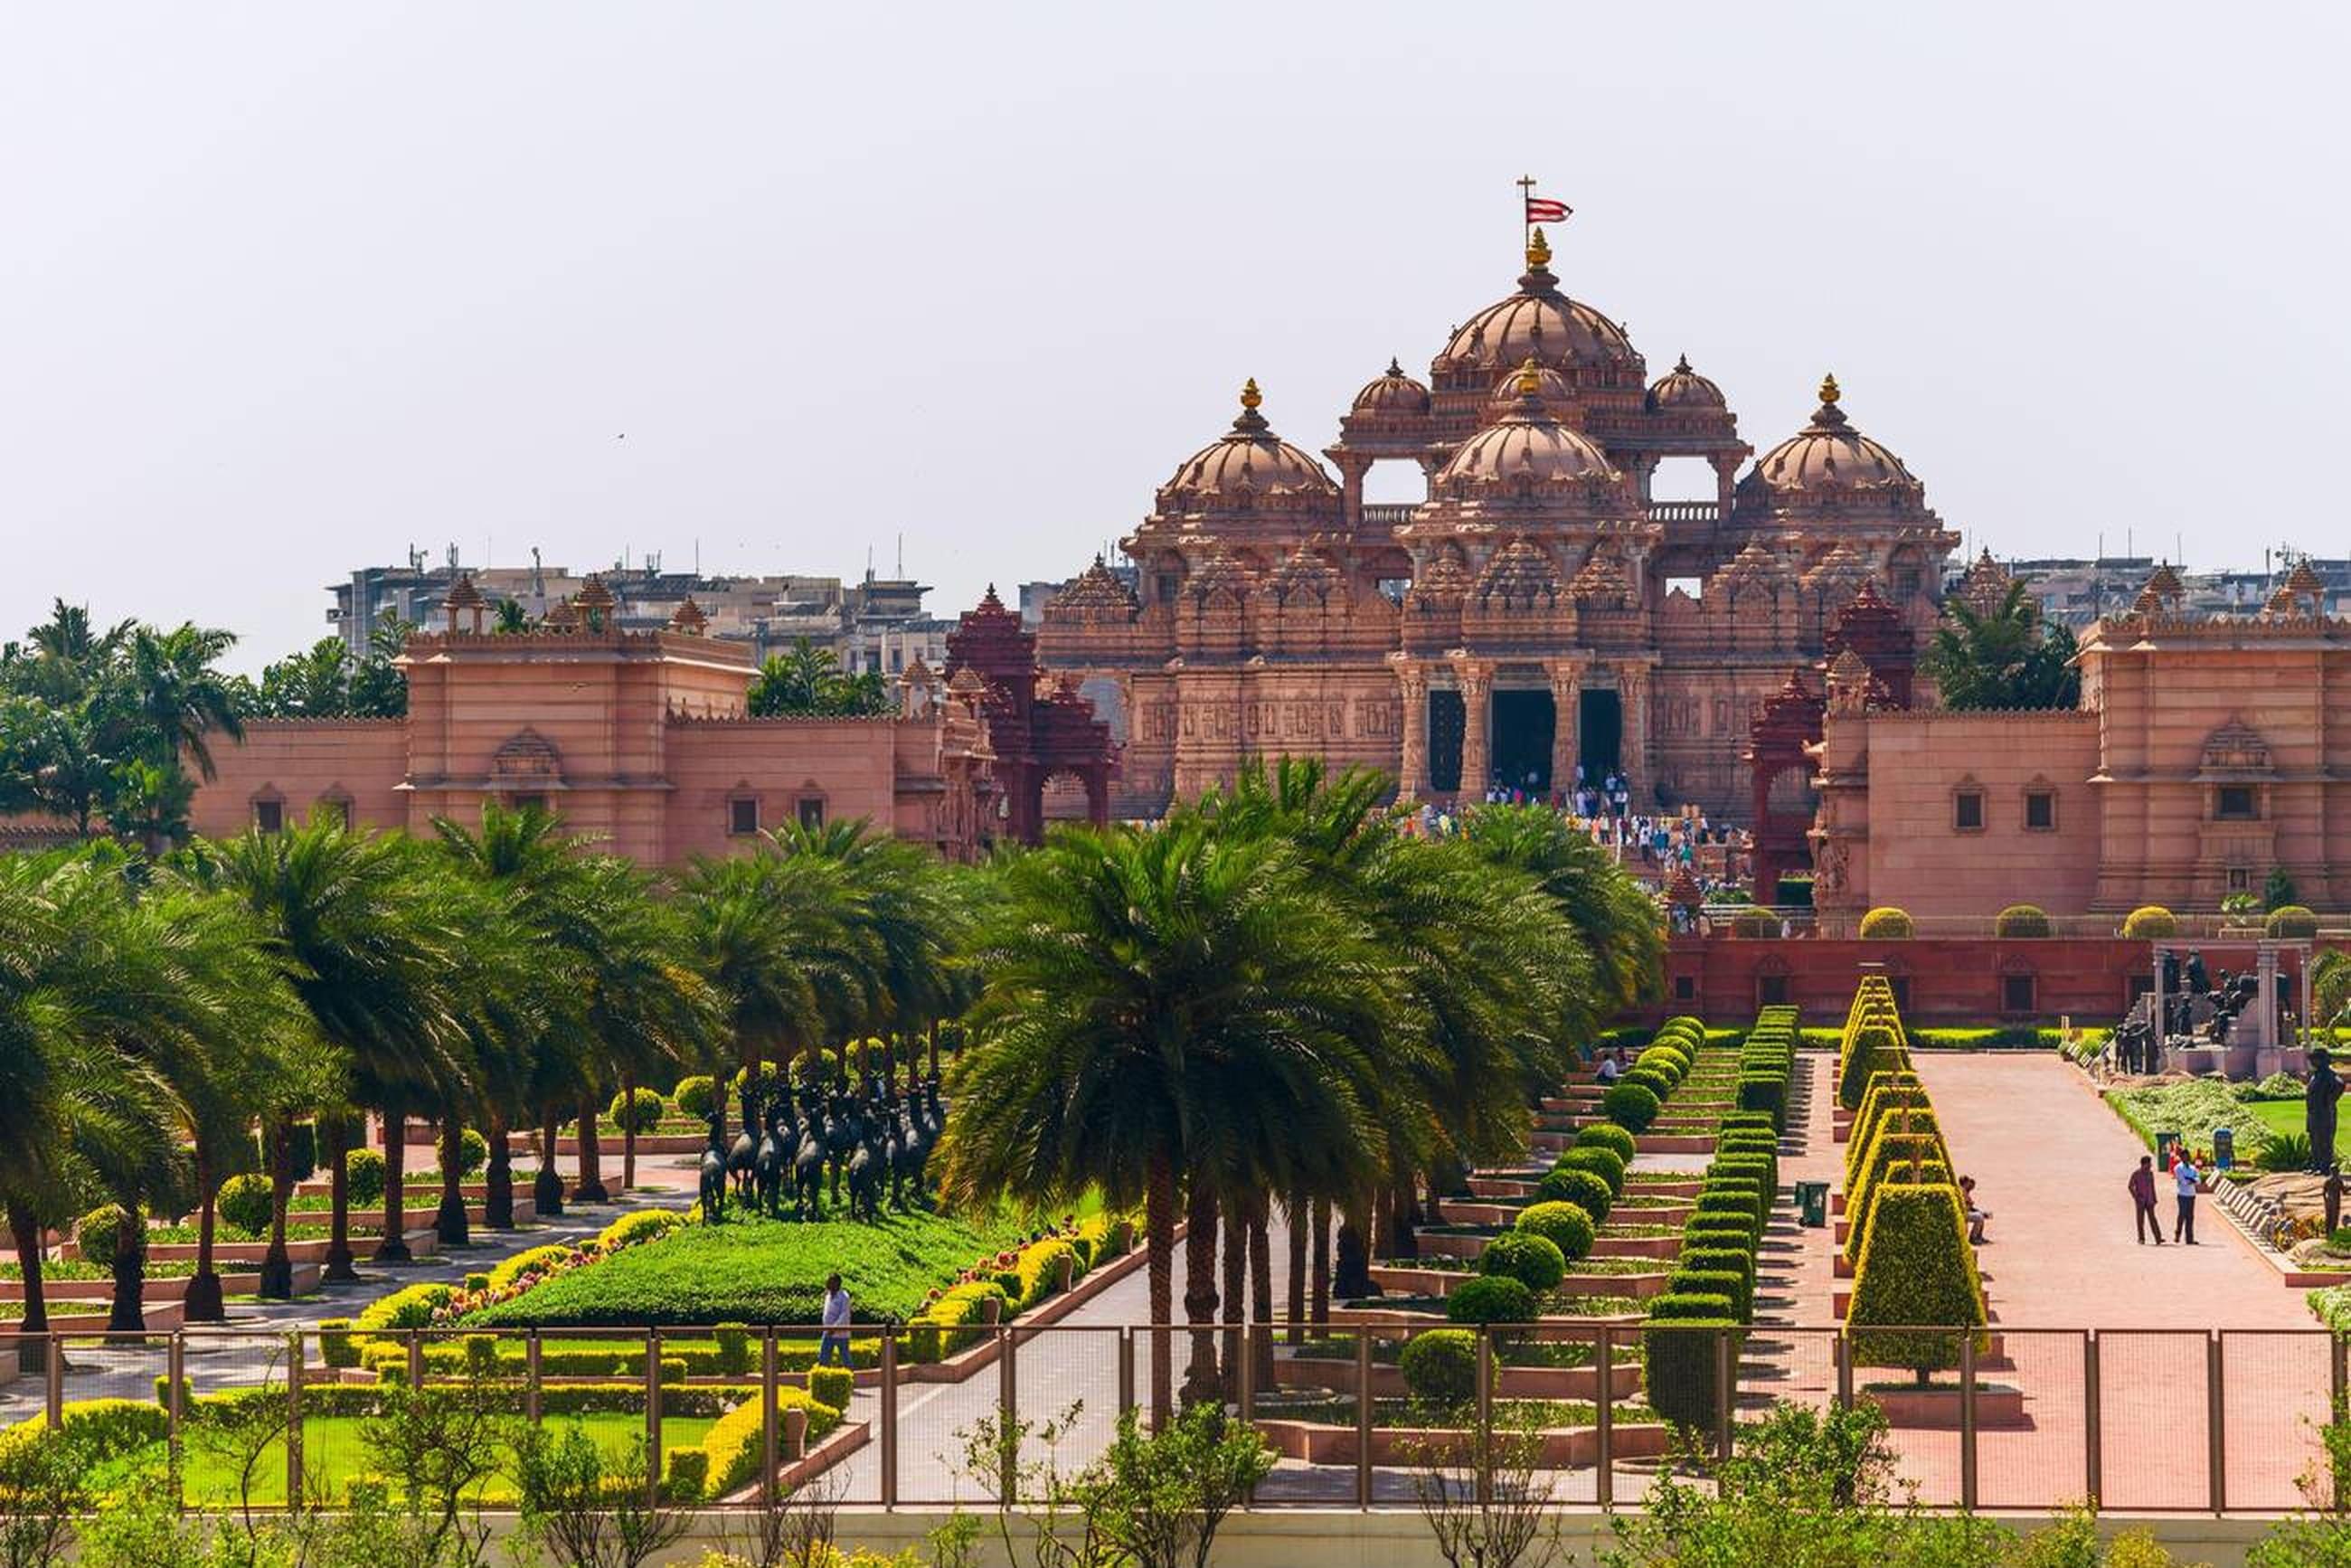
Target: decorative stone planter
1998,1408
1562,1447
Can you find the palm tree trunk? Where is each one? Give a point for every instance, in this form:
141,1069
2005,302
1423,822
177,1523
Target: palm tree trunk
497,1175
1159,1243
1321,1262
1236,1304
1200,1291
590,1188
546,1188
935,1048
338,1205
1295,1212
202,1302
449,1220
32,1350
628,1132
1404,1220
276,1268
128,1314
1261,1258
391,1246
1351,1274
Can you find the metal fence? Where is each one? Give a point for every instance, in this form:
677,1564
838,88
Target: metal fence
2137,1420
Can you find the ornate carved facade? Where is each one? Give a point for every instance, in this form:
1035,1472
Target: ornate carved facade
1538,611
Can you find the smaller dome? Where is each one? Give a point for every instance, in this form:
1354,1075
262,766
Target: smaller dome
1247,460
1829,455
1393,392
1558,398
1526,446
1686,389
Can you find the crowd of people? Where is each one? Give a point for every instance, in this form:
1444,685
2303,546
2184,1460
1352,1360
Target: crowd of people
1657,841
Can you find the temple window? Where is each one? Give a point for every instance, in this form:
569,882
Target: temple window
1685,987
527,804
743,816
811,812
1771,991
269,816
2240,879
1968,811
2041,810
2235,803
2016,994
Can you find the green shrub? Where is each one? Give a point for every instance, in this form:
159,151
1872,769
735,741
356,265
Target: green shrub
1631,1106
643,1225
2284,1152
735,1442
696,1096
1600,1161
243,1204
1755,924
1916,1270
98,1431
529,1261
1708,1261
1566,1227
1681,1369
98,1232
1888,1094
2020,920
478,1281
1440,1367
1534,1262
1767,1092
1886,924
637,1111
1876,1049
409,1307
1734,1197
1664,1060
734,1347
953,1321
687,1479
2149,922
2291,920
1728,1283
1490,1299
363,1178
1656,1082
1737,1231
1586,1190
831,1385
1906,1159
473,1152
337,1348
1609,1136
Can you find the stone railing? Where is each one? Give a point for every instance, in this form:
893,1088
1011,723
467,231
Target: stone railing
1389,514
1685,512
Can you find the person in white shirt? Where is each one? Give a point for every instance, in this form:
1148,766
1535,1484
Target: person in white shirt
836,1324
2185,1174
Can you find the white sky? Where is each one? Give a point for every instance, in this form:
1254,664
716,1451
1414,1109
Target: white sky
285,288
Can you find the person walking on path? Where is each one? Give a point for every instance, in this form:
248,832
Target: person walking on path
2142,1191
836,1324
2188,1176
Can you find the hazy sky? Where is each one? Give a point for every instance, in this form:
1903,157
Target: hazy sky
285,288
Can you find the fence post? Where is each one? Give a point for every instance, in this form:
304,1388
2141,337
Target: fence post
652,1416
2338,1365
1483,1446
293,1421
889,1416
768,1419
1604,1481
1008,1415
1840,1350
2216,1422
1125,1369
415,1358
1363,1418
2094,1459
176,1369
54,1389
531,1374
1967,1420
1726,1372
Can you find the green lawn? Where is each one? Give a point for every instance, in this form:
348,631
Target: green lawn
760,1271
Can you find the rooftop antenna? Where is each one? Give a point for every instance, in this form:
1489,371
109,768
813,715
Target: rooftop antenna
697,555
538,574
901,555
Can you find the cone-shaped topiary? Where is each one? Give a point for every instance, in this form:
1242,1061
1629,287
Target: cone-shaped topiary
1887,1092
1876,1049
1916,1271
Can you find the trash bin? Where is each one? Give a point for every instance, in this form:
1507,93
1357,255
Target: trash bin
2224,1146
2164,1144
1812,1202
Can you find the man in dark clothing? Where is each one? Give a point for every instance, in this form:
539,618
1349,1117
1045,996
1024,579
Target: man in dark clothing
2318,1109
2142,1191
2199,980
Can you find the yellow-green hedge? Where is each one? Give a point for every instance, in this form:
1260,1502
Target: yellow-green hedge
734,1443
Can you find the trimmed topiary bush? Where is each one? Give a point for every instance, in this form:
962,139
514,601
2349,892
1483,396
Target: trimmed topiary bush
1564,1225
1440,1367
96,1232
2021,920
1603,1163
1666,1061
1733,1197
1533,1261
1656,1082
2290,920
1917,1271
1631,1106
473,1151
1728,1283
1490,1299
1876,1049
1755,924
694,1096
1608,1135
639,1111
363,1178
1709,1260
1586,1190
2149,922
243,1204
1681,1358
1886,924
1722,1228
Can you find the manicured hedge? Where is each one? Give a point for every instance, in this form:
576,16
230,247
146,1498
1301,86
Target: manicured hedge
1531,1258
1608,1135
1876,1048
1631,1106
1681,1359
1440,1367
1916,1271
1603,1162
1709,1260
1583,1189
1490,1299
1564,1225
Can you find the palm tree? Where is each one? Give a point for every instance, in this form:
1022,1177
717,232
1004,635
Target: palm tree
2003,657
1617,921
180,700
1161,1004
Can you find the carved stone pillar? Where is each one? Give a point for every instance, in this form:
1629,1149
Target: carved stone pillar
1476,681
1726,479
1351,469
1412,681
1633,686
1566,712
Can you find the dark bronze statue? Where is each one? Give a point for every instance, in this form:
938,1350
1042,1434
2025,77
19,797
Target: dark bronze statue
2318,1100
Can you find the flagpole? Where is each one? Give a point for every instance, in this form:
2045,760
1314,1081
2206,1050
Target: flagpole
1526,224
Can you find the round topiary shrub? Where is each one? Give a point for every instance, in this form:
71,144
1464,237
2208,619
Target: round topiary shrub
242,1203
2289,920
1600,1161
1534,1262
1585,1189
2149,922
695,1095
1490,1299
98,1232
473,1151
1612,1137
1440,1367
1564,1225
1631,1106
1886,924
637,1111
363,1178
1650,1078
1755,924
1664,1061
2020,920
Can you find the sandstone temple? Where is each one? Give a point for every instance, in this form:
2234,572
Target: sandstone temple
1539,613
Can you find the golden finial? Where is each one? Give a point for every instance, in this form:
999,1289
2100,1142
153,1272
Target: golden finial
1538,250
1829,393
1530,379
1250,396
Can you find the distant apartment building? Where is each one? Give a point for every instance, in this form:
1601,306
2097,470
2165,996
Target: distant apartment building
2075,591
874,623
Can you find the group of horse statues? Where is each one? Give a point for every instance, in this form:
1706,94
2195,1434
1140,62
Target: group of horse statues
873,1143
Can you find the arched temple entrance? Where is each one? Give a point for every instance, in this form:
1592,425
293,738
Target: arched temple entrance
1600,733
1447,719
1524,724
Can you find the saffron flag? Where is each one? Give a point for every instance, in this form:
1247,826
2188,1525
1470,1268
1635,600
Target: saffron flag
1541,210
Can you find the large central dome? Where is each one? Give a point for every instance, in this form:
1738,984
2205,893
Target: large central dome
1540,323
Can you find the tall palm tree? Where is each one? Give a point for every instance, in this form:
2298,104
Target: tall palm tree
1618,921
1162,1006
181,699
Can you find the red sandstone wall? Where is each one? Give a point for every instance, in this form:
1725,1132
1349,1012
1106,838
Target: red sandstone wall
304,763
847,763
